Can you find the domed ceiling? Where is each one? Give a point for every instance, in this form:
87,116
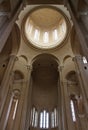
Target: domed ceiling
45,28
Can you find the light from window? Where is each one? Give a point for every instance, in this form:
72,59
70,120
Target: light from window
41,120
84,60
29,28
33,116
44,119
36,34
44,116
46,37
63,27
12,109
55,34
55,112
36,119
15,108
47,120
52,120
73,111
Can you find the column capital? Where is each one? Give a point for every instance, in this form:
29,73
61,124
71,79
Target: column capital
60,68
29,67
77,57
14,56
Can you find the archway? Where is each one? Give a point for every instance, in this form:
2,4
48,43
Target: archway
44,97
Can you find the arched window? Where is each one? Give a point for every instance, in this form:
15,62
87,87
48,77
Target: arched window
44,119
54,118
36,35
29,28
47,120
34,117
73,110
84,60
46,37
41,120
55,34
12,109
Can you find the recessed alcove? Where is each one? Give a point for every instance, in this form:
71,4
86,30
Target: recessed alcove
44,92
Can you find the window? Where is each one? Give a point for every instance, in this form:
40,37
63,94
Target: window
47,120
34,117
29,28
73,110
12,109
84,60
15,107
55,34
36,35
54,118
44,119
63,27
46,37
55,114
41,120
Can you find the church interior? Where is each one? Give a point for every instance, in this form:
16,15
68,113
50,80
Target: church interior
44,65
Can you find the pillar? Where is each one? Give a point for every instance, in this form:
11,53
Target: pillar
82,73
62,115
22,118
66,116
28,100
6,82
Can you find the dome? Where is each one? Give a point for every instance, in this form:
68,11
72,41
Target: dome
45,28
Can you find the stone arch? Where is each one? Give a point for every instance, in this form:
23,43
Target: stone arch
45,83
66,57
46,55
23,59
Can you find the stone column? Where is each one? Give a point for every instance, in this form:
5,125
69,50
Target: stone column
29,106
22,112
82,73
6,109
62,117
6,82
66,116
